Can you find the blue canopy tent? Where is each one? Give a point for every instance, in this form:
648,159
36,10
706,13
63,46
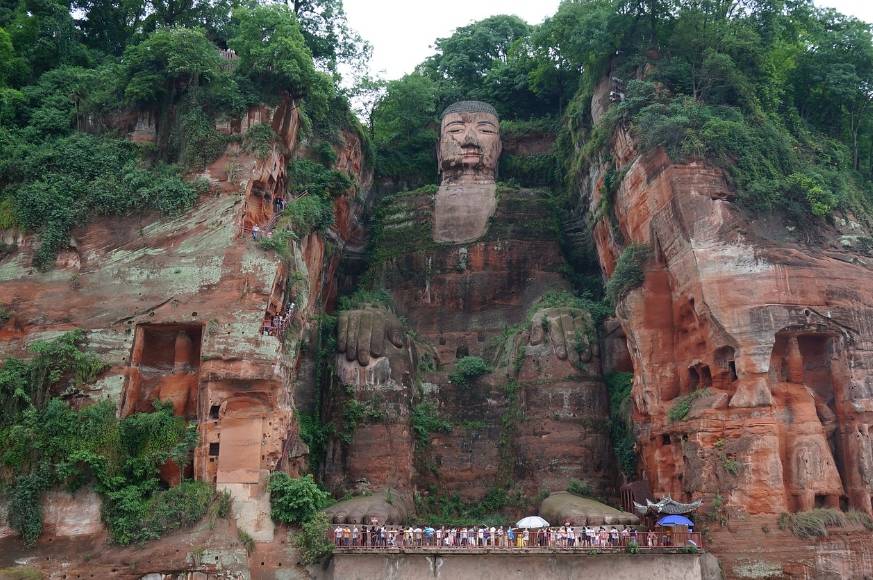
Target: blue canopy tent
675,521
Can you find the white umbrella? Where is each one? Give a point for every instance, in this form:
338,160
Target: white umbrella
532,522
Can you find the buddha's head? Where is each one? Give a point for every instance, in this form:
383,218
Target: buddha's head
469,142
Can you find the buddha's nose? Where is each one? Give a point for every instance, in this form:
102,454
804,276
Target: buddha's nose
470,138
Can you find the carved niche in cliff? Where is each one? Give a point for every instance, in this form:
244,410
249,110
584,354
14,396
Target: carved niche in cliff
164,366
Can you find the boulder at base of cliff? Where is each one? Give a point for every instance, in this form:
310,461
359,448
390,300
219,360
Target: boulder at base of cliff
563,506
387,507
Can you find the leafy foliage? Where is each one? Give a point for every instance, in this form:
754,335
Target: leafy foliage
620,425
46,443
363,297
312,539
259,139
467,370
426,420
316,436
57,445
272,51
167,63
295,500
682,405
450,510
628,273
57,365
316,179
56,184
405,131
580,488
776,95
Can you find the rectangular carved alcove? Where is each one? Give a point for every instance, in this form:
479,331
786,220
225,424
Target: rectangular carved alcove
165,366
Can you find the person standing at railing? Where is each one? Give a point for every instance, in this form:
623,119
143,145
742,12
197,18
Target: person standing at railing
650,538
355,536
571,537
525,538
501,537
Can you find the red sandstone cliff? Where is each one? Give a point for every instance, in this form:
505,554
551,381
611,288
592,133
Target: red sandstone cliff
175,307
776,329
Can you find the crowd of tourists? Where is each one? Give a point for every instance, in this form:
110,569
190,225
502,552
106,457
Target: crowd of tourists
566,537
277,324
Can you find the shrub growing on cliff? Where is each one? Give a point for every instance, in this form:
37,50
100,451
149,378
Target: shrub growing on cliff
467,370
259,139
628,273
682,405
316,179
812,524
295,500
133,516
580,488
56,365
426,420
620,425
45,443
312,539
58,445
60,183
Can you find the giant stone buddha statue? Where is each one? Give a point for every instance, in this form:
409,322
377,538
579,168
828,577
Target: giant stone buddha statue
466,268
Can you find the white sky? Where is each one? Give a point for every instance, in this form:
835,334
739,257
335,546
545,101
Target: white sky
402,32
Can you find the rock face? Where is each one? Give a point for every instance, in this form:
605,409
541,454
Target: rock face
765,336
176,308
538,419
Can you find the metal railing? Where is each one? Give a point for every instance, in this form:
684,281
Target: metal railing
581,539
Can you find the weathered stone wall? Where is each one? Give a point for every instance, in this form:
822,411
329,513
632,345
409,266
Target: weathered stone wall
524,567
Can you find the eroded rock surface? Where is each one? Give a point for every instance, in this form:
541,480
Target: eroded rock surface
768,327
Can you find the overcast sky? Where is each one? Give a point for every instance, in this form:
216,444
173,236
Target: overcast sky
402,32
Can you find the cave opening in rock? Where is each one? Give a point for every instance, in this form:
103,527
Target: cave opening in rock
164,366
726,367
699,377
805,358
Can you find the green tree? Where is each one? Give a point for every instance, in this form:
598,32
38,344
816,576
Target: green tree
44,36
405,130
295,500
110,25
272,51
7,57
168,63
331,40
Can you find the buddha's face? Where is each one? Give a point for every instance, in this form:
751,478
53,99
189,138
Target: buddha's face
469,145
